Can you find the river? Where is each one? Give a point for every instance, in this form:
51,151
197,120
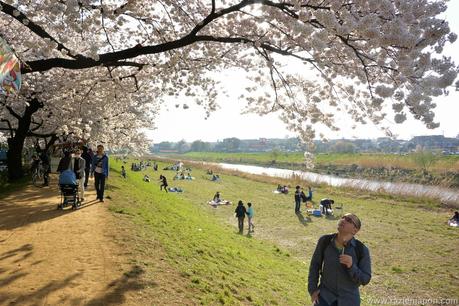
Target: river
445,195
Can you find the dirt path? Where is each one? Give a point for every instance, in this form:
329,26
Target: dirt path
55,257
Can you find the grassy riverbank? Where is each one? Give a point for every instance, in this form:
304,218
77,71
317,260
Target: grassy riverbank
382,167
366,160
413,250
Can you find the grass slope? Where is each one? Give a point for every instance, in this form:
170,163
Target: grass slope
414,253
224,267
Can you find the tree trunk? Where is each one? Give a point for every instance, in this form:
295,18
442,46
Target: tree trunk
16,143
14,157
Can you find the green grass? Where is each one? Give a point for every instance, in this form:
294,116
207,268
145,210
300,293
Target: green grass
226,268
295,159
414,252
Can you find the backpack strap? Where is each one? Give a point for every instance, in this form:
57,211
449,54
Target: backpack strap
359,250
327,240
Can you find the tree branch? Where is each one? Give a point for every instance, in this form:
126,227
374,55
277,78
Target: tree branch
19,16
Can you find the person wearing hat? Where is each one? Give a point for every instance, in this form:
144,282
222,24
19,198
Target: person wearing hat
343,264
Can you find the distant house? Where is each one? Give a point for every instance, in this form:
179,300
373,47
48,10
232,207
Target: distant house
436,142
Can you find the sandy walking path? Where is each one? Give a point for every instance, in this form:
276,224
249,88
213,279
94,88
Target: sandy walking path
55,257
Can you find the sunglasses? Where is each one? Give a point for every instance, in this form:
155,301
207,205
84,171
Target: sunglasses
349,220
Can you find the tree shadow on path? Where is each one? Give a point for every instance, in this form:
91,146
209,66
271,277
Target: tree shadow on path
27,206
115,292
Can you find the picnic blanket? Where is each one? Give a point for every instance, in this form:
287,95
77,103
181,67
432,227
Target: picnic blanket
222,202
175,189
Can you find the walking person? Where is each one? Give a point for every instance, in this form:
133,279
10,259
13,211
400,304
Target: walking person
100,171
297,199
88,162
343,264
163,180
240,214
79,166
250,214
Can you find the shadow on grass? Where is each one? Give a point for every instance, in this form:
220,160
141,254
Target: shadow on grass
302,219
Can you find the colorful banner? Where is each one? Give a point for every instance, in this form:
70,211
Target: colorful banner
10,70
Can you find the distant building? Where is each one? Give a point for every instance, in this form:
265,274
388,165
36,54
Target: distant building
437,142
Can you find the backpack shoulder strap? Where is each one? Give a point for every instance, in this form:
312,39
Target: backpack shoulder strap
325,241
359,249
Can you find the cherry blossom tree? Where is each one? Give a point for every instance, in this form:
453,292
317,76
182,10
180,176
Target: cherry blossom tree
357,57
101,110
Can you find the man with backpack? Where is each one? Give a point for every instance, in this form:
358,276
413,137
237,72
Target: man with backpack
343,264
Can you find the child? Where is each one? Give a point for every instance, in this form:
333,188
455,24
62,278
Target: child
164,184
250,214
123,172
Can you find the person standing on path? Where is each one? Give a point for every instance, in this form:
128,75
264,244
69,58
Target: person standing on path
88,162
343,264
100,171
79,168
250,214
240,214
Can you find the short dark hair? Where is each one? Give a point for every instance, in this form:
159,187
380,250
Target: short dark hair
249,204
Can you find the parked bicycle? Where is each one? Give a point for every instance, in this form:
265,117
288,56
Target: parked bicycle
38,175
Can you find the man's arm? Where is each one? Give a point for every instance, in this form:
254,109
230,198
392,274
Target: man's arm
315,267
361,272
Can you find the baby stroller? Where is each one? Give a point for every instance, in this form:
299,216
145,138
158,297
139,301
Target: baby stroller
68,186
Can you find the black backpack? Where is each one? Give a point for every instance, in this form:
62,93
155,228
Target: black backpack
76,167
327,240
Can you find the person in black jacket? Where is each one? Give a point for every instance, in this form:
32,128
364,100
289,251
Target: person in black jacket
297,199
240,214
88,159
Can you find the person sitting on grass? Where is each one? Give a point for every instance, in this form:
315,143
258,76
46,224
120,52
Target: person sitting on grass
146,178
455,218
217,197
284,189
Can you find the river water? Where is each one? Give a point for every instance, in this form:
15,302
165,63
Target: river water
446,195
